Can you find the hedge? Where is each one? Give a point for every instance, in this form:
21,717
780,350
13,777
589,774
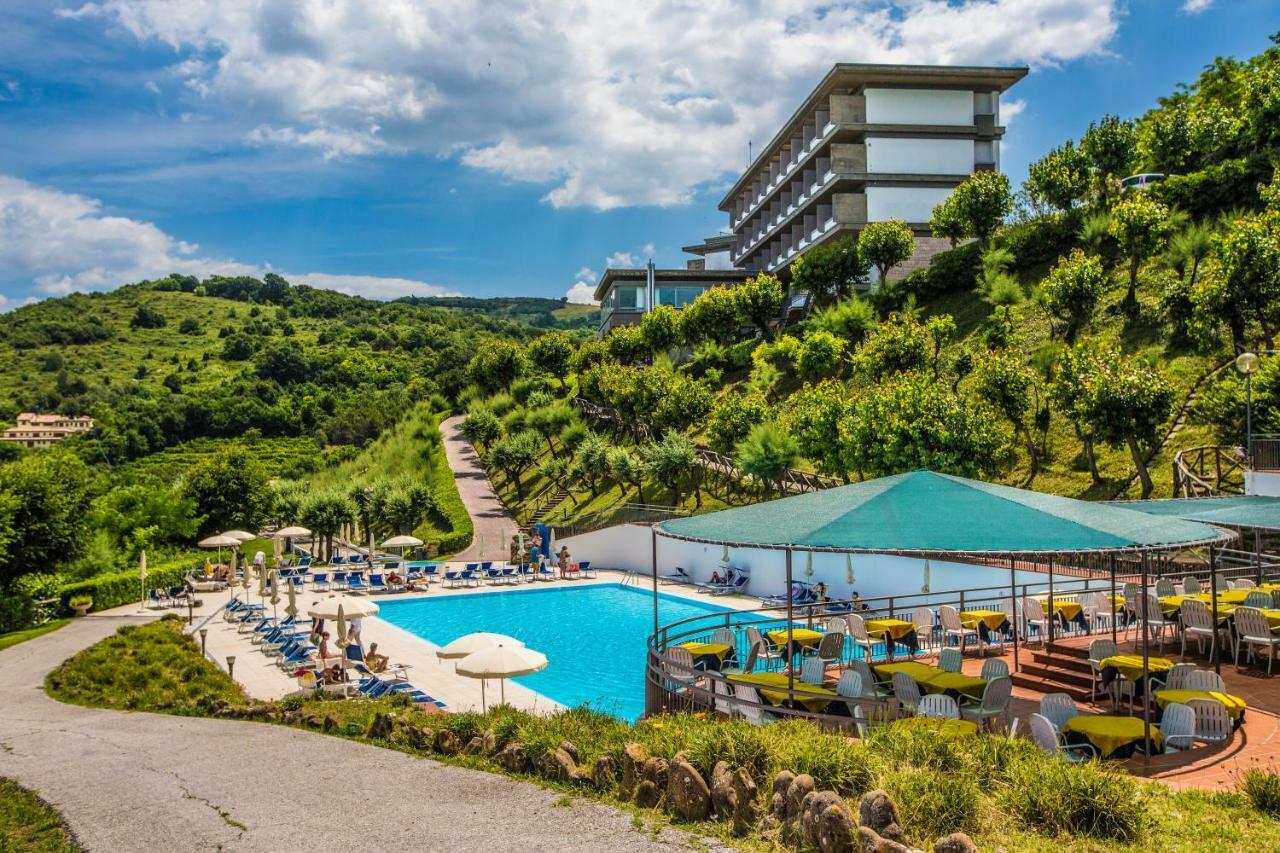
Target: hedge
952,270
449,506
117,588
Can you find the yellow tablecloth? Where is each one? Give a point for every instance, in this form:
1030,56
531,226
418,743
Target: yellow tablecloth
895,628
1273,619
812,697
1069,609
945,729
1235,705
932,679
720,650
1130,666
802,636
1172,604
993,619
1108,733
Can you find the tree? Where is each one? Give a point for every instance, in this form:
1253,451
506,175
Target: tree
947,223
591,463
1124,403
766,455
850,319
627,345
714,316
512,455
759,300
1242,283
1001,379
1111,145
283,361
626,469
324,514
548,421
830,270
550,352
812,415
481,427
898,344
660,329
820,355
978,206
497,364
941,329
1060,178
230,491
1000,288
146,317
1072,375
732,418
908,422
143,514
189,326
884,245
1073,289
44,499
673,462
1138,224
588,355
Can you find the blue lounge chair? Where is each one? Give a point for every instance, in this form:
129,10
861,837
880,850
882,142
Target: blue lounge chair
377,584
355,582
511,574
585,567
797,595
298,581
158,598
452,577
320,582
339,580
678,576
338,561
492,575
431,571
470,578
545,573
304,562
738,585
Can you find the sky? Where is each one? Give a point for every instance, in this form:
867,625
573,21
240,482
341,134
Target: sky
484,148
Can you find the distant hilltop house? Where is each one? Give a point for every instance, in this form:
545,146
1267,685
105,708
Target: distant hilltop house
871,143
34,430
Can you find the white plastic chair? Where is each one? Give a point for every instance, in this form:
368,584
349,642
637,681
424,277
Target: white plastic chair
950,660
1176,678
749,666
679,667
1203,679
1197,622
1154,621
752,713
858,634
850,685
1190,585
869,684
1165,588
994,704
1033,617
906,691
994,668
1178,725
1244,583
953,627
922,619
837,624
725,636
938,706
767,651
1057,708
813,671
1252,630
831,648
1045,736
1100,650
1259,599
1213,724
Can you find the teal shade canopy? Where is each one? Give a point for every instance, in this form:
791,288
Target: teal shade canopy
1229,510
932,513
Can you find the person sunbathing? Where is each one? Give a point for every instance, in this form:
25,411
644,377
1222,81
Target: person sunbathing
376,662
334,675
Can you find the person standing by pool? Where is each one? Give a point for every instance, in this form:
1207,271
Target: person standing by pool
564,560
259,563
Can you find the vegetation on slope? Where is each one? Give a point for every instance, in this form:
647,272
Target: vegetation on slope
30,825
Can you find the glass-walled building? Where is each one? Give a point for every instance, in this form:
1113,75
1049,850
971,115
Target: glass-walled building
626,295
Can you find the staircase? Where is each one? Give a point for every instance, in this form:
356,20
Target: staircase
552,503
1057,669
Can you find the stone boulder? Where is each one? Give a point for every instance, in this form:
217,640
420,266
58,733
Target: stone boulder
723,800
956,842
778,804
647,795
633,758
604,772
475,746
379,727
746,810
826,822
565,764
490,742
447,743
513,758
877,812
687,792
870,841
571,750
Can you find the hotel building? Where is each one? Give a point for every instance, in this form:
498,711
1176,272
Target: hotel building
32,430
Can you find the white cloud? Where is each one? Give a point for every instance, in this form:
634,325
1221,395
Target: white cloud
1010,110
568,94
621,260
1195,7
584,286
63,242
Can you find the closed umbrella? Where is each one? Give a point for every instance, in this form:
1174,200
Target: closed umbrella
472,643
342,629
927,571
328,608
808,565
262,581
291,609
275,590
501,662
142,574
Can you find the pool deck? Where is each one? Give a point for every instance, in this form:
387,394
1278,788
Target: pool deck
261,678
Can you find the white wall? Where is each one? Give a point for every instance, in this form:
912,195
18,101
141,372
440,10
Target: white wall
719,261
1262,483
919,106
626,546
920,156
914,204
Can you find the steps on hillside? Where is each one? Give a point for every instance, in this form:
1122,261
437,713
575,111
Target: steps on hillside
550,505
1056,669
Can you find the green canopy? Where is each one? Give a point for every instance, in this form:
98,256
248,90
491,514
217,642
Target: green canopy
1229,510
924,512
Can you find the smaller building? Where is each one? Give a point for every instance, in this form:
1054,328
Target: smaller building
626,295
33,430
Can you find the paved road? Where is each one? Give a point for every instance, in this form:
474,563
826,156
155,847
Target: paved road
143,782
494,525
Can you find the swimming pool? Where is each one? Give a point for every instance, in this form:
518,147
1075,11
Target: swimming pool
593,636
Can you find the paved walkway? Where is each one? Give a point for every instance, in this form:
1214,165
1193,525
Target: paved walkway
494,525
143,782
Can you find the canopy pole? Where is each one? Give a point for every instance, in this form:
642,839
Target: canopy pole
1053,615
1146,665
1112,603
1013,599
791,670
653,531
1257,551
1215,652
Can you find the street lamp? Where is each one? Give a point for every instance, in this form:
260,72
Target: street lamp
204,634
1247,363
231,666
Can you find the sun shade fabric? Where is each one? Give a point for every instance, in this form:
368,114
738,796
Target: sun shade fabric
937,513
1231,510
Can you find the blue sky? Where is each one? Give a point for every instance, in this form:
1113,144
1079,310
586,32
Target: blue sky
427,146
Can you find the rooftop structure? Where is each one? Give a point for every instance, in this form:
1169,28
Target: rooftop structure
626,295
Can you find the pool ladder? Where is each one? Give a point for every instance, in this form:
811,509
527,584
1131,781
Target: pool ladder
631,578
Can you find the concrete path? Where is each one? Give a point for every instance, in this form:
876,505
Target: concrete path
494,525
143,782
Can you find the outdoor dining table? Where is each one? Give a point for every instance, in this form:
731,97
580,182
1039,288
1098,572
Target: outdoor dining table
986,622
801,638
1069,613
942,728
1130,666
895,632
710,656
809,696
932,679
1234,704
1112,735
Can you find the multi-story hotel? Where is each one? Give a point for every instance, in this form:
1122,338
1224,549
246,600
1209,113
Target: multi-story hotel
869,144
32,430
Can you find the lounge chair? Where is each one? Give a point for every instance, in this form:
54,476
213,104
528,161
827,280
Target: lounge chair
585,568
453,577
158,598
377,583
678,576
339,580
338,561
545,573
738,586
355,582
493,576
470,577
511,574
320,582
430,572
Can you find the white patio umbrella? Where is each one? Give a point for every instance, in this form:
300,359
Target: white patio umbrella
242,535
472,643
402,542
501,662
327,608
295,532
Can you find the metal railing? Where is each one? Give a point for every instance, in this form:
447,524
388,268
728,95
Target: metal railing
1264,452
629,513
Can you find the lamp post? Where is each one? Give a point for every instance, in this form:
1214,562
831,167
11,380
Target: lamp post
204,635
1247,363
231,666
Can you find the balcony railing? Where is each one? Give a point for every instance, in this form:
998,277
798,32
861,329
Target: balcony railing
1264,452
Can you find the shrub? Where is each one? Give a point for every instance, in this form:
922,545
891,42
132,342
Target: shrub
1262,787
1081,799
934,802
949,271
117,588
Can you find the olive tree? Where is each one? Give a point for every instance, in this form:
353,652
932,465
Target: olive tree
481,427
975,208
1001,379
591,462
672,461
1060,178
660,329
830,270
550,352
884,245
513,454
1139,224
732,418
1072,374
1111,144
759,301
1072,290
325,513
1124,403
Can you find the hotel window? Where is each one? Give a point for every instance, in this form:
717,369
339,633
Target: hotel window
628,298
678,297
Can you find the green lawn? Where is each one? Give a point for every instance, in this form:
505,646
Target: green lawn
30,825
15,637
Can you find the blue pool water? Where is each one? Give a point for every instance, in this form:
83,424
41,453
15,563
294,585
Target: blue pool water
593,636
